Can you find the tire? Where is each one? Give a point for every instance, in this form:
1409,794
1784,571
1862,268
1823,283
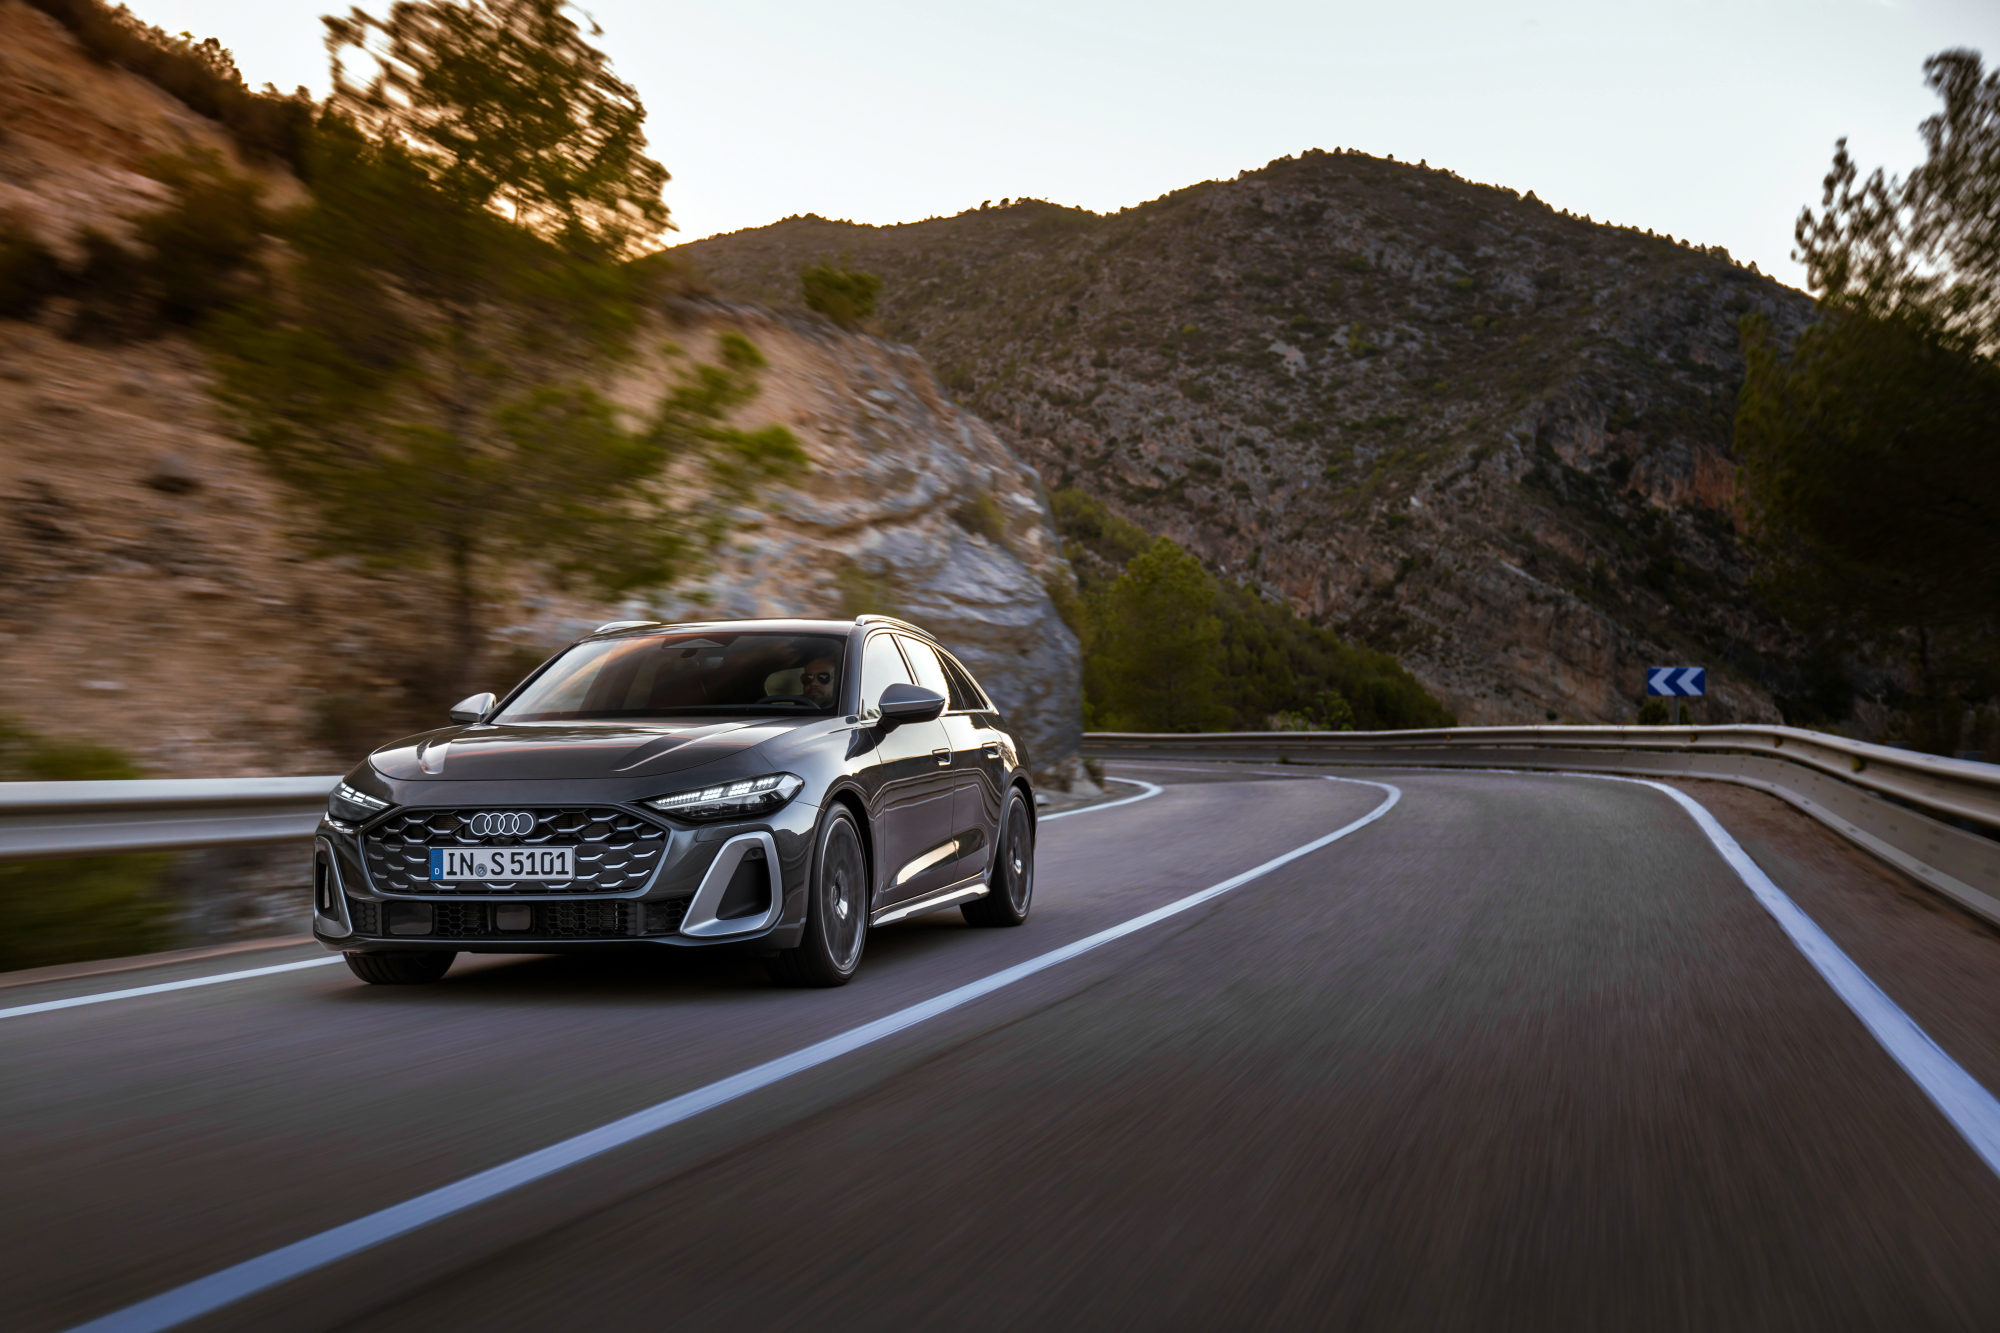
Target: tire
1011,890
829,952
400,969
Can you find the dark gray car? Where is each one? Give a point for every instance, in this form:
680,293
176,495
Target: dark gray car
774,785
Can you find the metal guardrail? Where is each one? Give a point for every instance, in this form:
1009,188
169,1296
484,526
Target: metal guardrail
44,819
1935,819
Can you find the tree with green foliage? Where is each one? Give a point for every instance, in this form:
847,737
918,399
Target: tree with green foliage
1270,662
504,105
1157,661
424,376
844,295
1870,465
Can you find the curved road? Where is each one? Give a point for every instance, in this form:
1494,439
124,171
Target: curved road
1524,1052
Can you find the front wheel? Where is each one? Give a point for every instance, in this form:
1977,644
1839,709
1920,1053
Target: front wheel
399,969
1010,889
836,909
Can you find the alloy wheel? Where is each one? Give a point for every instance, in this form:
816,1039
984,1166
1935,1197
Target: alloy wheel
843,881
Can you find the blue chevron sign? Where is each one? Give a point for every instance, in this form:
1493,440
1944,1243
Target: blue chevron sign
1675,681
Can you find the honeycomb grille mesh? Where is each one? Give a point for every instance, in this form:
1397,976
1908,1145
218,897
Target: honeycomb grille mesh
616,851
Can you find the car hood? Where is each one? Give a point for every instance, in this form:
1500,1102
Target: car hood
567,750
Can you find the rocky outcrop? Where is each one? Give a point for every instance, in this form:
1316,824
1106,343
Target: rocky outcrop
911,507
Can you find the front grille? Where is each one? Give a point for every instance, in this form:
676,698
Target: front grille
459,921
582,921
547,921
665,918
616,851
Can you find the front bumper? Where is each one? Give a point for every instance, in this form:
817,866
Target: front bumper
703,894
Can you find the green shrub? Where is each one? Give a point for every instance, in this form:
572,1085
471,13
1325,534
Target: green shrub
981,515
865,594
194,258
1069,607
29,271
204,248
76,908
845,296
1268,660
1654,713
110,288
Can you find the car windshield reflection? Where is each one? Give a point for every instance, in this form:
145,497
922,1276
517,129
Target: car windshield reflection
666,675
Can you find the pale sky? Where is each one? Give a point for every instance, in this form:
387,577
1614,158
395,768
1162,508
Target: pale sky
1710,121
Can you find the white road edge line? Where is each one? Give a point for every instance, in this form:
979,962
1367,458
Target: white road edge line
103,997
1969,1107
1146,795
1965,1102
232,1284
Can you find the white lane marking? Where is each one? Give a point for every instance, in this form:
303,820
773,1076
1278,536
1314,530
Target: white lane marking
103,997
1972,1110
1146,795
205,1295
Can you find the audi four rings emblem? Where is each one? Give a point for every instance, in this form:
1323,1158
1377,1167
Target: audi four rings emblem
518,824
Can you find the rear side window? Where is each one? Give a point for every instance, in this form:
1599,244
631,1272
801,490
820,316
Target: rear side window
881,667
924,661
965,696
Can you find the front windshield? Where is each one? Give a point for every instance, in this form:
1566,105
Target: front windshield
662,675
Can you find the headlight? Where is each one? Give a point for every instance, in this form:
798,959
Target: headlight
352,806
731,800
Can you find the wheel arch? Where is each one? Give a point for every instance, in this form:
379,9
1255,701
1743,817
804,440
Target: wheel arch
856,806
1021,784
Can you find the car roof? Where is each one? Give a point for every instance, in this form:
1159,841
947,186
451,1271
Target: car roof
621,628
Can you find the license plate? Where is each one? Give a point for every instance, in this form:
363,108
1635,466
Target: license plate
453,865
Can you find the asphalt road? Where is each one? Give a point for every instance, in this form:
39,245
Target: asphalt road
1523,1053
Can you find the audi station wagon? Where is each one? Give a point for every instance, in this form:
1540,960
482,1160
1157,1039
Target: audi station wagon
772,786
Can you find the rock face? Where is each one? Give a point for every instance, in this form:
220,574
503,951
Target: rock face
913,507
1449,421
154,596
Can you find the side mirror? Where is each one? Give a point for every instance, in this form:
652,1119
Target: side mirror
910,703
473,708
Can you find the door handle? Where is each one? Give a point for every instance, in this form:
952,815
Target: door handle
992,749
943,757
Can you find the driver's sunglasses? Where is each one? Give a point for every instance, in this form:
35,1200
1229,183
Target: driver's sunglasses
816,678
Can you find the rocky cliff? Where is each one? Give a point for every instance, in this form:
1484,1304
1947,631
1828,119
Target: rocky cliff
1442,417
153,595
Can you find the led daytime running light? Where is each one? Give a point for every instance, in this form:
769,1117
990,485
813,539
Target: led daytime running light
353,805
746,796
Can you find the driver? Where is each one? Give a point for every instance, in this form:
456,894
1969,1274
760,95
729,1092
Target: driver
819,681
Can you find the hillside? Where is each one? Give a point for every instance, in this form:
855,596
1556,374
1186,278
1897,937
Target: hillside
160,616
1439,417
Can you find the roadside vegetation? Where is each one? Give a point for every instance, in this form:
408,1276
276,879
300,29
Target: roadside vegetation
1871,465
1169,646
60,911
417,352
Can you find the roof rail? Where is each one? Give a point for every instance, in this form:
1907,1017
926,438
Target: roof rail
610,625
893,623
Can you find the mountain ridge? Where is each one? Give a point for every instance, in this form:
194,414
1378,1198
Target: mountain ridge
1436,415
